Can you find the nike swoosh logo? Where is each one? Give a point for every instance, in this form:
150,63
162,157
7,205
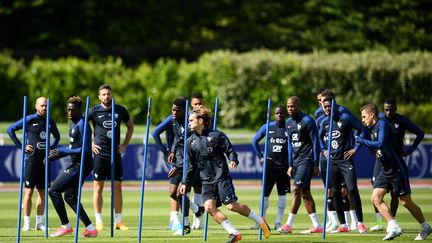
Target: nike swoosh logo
35,124
100,116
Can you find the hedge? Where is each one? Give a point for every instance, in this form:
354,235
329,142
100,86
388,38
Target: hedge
242,81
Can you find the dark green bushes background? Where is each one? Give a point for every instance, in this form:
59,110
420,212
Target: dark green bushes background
242,81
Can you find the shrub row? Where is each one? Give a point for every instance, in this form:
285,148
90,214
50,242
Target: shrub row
242,81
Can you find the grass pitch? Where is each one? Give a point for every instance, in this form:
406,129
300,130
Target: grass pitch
156,218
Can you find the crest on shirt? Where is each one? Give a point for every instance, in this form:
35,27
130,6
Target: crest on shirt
209,139
116,115
286,134
42,135
182,130
299,126
339,124
396,125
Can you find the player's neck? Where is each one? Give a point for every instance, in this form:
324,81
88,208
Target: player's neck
106,107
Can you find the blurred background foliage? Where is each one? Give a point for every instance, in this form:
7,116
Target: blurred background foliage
243,52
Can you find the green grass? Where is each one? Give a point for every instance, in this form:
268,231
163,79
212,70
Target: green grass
156,217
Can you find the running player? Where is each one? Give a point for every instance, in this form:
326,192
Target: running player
206,151
393,173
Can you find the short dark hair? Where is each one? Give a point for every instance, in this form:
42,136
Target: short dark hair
76,100
371,107
197,95
180,102
328,94
390,101
321,90
104,86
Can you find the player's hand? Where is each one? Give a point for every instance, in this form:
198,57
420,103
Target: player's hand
122,149
325,152
171,157
316,171
349,154
289,172
182,189
96,148
29,149
262,160
232,165
53,153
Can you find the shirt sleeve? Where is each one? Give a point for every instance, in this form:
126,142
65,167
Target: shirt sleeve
255,141
414,129
383,133
164,126
56,134
313,133
18,125
227,148
358,126
190,164
289,150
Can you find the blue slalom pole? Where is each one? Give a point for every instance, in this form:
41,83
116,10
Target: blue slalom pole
264,166
81,179
330,138
113,153
214,128
23,145
144,167
186,128
47,164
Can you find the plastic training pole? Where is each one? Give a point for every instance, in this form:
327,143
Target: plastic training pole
264,166
144,167
47,164
214,128
23,145
330,138
184,162
113,153
82,166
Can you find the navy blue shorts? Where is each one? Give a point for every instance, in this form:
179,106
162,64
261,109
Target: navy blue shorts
399,183
102,168
279,177
302,174
222,191
343,173
34,174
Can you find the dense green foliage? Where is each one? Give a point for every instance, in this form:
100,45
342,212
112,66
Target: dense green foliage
137,30
242,81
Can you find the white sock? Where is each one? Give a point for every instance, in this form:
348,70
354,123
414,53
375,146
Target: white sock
175,217
98,217
26,219
290,220
193,207
255,217
187,221
392,223
378,217
315,221
66,226
39,219
266,205
347,217
333,217
90,227
354,219
281,208
229,228
197,199
118,217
